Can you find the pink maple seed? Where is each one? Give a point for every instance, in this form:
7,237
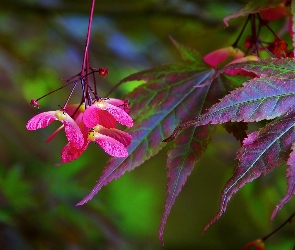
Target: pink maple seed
123,104
110,145
70,153
92,114
42,120
119,114
117,134
113,142
76,112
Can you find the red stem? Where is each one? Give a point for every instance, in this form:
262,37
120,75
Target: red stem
85,65
85,59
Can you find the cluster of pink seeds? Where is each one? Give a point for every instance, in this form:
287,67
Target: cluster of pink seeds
96,123
93,120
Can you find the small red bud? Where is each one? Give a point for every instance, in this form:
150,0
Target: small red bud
103,71
249,42
34,103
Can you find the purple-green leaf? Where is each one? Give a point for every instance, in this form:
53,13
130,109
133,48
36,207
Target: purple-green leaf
189,54
169,96
189,146
182,157
267,68
261,152
258,99
156,107
293,23
290,174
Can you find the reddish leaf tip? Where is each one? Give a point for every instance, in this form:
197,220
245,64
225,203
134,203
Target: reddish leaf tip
90,195
215,218
171,137
274,212
80,203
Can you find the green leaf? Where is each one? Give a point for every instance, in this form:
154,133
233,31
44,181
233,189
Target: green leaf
189,54
293,23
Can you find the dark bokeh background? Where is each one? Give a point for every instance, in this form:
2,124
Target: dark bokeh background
43,41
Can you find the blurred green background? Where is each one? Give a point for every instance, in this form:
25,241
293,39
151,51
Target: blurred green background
42,41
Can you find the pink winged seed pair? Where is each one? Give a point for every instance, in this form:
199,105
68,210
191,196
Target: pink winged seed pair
96,123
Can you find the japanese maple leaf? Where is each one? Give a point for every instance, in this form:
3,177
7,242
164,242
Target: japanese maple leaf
168,96
272,96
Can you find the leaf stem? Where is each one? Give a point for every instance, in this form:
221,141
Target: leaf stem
267,26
